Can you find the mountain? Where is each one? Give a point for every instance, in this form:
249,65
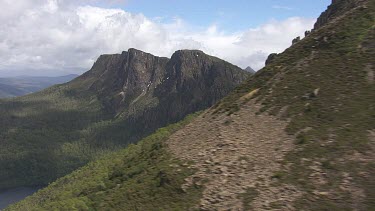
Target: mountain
250,70
22,85
298,135
121,99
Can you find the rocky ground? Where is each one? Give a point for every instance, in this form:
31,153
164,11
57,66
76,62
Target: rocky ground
234,154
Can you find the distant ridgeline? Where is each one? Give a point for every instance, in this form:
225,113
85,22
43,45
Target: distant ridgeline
123,98
22,85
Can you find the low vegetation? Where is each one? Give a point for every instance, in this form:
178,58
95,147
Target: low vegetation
321,86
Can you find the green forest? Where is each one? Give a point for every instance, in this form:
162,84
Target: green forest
47,132
141,177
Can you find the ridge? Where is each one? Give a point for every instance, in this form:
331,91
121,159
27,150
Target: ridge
337,9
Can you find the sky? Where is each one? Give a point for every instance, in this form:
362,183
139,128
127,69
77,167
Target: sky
58,37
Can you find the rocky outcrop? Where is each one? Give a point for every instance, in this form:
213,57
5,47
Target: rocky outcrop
296,40
148,92
270,58
120,79
336,9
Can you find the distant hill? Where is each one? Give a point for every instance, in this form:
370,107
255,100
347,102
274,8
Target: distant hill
297,135
121,99
22,85
250,70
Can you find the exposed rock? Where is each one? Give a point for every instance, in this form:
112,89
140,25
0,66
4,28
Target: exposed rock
270,58
296,40
321,193
336,9
311,95
307,33
316,92
149,92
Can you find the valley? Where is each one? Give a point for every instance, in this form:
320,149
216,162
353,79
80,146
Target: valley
14,195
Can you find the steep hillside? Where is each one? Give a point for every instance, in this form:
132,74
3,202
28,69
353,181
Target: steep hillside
123,98
322,87
298,135
18,86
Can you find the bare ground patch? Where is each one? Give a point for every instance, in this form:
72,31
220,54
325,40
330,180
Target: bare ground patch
234,154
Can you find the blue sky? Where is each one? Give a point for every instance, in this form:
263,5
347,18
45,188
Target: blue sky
57,37
231,15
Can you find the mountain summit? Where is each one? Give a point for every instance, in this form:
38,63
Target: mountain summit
250,70
148,92
135,80
121,99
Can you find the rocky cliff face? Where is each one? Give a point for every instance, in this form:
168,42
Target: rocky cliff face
148,92
271,58
120,80
335,10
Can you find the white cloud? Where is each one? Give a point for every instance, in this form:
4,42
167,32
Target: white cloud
56,37
280,7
